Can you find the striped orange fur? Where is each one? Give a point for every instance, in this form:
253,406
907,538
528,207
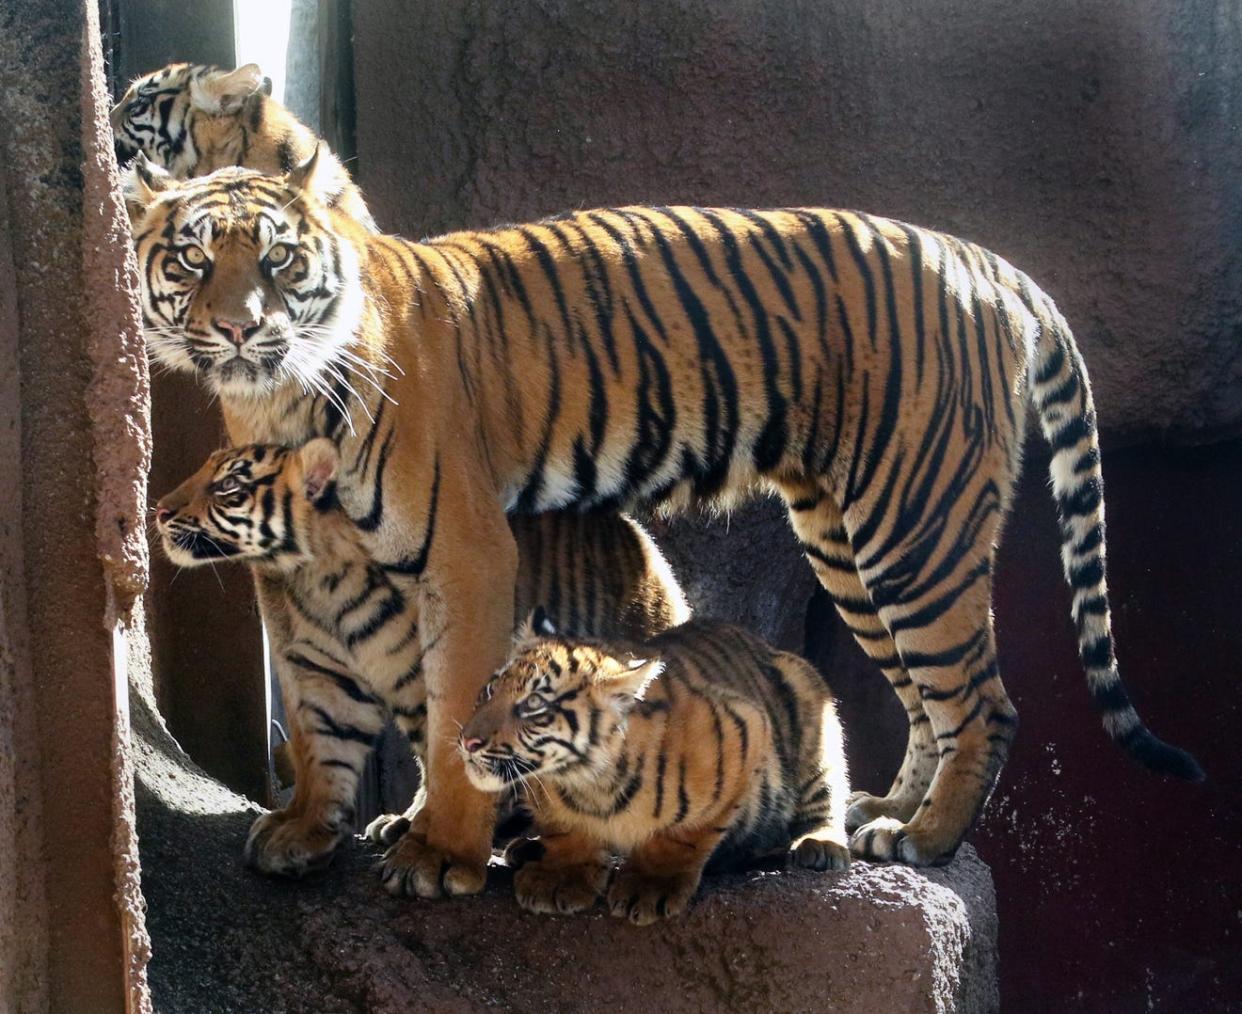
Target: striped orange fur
700,747
352,643
873,374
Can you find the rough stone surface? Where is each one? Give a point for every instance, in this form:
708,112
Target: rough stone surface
1094,144
79,412
23,901
876,938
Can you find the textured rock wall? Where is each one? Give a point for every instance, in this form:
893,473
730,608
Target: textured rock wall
74,406
1092,143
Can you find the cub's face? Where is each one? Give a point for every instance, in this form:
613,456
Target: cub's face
244,280
249,503
182,114
556,710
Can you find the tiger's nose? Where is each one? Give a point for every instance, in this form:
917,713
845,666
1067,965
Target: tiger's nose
472,744
236,331
162,514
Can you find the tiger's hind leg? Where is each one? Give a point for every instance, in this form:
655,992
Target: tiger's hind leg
820,529
939,617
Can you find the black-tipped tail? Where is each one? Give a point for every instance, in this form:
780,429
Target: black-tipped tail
1061,393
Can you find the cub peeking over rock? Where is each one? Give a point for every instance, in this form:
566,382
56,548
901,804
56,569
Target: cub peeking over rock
701,747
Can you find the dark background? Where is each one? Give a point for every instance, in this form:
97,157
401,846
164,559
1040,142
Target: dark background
1096,145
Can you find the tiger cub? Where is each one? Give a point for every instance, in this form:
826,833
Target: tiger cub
701,747
355,643
191,119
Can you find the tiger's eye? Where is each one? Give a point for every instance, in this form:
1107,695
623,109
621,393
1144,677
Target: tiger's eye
227,486
193,257
279,255
533,703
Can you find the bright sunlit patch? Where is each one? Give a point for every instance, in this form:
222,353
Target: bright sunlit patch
261,35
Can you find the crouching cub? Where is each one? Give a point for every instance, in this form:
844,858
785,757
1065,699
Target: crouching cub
700,747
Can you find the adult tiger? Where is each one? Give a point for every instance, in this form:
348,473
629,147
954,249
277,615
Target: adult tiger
872,373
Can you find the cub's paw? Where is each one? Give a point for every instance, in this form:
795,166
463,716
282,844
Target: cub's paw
414,868
820,854
862,808
887,840
285,846
559,890
644,898
387,828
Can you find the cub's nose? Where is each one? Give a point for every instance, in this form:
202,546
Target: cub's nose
472,744
236,331
162,514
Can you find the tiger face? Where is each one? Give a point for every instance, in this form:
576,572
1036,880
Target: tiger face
245,282
255,503
183,112
557,709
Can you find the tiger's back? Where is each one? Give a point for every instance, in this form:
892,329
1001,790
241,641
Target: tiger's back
600,574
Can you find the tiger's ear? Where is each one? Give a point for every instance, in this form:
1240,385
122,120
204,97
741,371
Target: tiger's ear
320,461
142,182
315,176
536,626
222,92
628,679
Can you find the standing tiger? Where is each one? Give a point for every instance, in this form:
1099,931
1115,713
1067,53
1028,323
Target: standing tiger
873,374
354,643
700,747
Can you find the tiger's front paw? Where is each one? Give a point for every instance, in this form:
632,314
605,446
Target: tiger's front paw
387,828
820,854
862,808
283,845
644,898
886,839
559,890
414,867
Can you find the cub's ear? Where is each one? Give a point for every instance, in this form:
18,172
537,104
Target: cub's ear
628,680
535,627
320,461
142,182
222,92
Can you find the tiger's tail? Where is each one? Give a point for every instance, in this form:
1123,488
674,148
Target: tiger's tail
1061,394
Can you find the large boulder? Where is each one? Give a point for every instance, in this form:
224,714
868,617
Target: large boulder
223,938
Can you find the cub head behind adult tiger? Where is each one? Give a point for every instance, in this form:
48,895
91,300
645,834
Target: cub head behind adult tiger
192,119
700,746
